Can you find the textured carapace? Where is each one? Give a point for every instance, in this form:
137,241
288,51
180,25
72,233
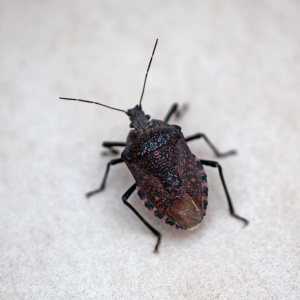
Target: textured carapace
170,179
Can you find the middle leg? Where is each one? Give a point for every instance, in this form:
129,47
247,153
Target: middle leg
102,185
210,144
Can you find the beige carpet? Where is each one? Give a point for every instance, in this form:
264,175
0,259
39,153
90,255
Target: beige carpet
237,64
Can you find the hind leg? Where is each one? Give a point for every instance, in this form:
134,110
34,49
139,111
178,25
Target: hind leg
125,198
215,164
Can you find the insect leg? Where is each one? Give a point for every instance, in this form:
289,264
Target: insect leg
109,145
215,164
174,110
112,162
214,149
125,198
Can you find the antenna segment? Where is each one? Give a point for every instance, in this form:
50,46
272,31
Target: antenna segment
73,99
140,104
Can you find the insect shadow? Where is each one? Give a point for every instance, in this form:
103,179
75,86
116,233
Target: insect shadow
169,179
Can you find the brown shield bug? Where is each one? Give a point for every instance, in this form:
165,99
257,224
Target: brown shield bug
169,179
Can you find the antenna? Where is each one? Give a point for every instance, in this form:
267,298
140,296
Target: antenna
140,104
88,101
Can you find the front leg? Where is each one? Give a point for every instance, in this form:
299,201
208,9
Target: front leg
175,110
110,146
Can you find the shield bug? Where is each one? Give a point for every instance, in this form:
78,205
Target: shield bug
169,179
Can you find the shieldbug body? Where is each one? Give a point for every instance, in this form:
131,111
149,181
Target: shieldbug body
169,179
